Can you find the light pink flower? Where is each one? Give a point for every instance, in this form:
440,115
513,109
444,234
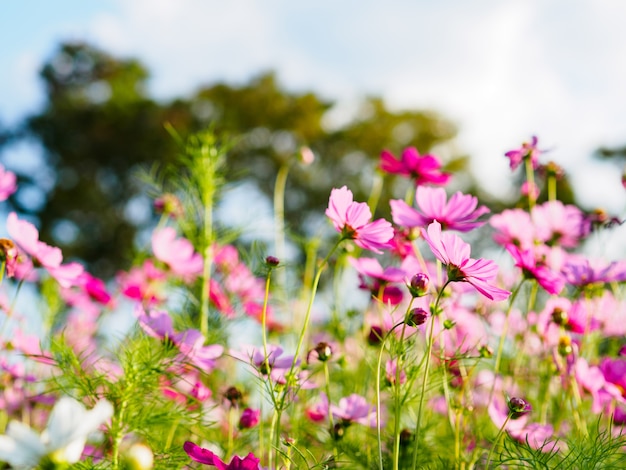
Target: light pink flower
376,279
355,409
177,253
452,251
527,150
8,183
559,224
425,169
513,226
459,213
144,283
26,236
352,220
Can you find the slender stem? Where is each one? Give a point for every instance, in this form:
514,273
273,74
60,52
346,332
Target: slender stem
396,447
280,404
505,327
378,406
530,179
208,195
500,432
429,349
552,188
279,218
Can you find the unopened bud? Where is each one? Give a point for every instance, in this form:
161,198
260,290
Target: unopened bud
272,261
249,418
418,287
518,407
485,351
233,395
559,316
565,346
416,317
170,205
322,352
375,336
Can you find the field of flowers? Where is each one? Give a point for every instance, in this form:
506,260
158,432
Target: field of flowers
238,359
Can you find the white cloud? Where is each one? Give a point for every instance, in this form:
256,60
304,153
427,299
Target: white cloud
501,70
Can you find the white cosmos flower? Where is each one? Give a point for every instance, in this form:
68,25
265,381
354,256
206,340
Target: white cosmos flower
63,439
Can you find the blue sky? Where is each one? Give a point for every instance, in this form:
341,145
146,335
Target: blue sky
502,70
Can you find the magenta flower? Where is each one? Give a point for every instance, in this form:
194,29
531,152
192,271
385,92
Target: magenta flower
459,213
177,253
379,279
199,454
452,251
527,150
352,220
533,267
425,169
249,418
8,183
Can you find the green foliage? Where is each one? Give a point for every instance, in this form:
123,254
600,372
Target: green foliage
99,128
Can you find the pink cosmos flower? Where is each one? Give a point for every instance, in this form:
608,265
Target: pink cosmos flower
249,418
533,267
459,213
177,253
354,409
352,220
559,224
144,283
8,183
592,380
452,251
190,343
580,271
26,236
425,169
513,226
319,411
527,150
205,456
379,279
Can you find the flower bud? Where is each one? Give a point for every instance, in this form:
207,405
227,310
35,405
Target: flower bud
249,418
170,205
485,351
322,352
416,317
418,287
565,346
559,316
272,261
233,395
518,407
375,336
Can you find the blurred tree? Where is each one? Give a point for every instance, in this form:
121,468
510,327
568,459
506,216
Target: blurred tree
98,126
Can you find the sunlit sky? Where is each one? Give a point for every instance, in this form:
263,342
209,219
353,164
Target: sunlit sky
501,70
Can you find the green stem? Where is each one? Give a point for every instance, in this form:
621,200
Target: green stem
530,179
505,327
497,441
429,349
279,218
378,405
